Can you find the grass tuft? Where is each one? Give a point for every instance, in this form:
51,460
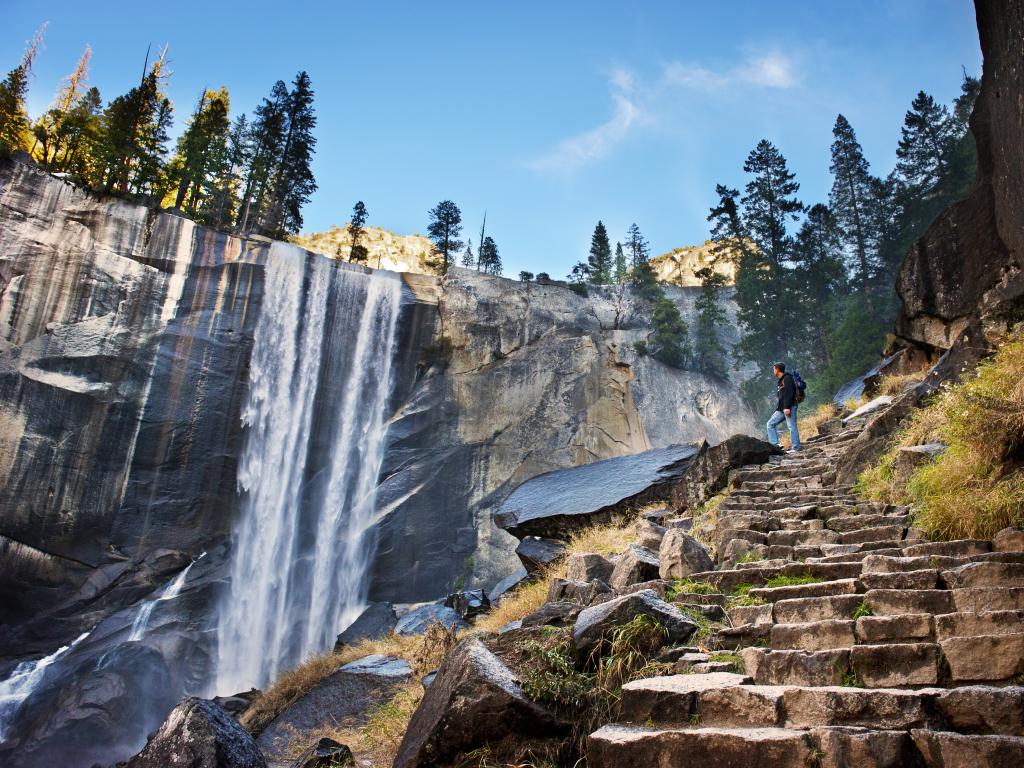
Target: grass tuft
792,581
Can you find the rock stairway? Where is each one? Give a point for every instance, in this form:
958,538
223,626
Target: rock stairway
859,643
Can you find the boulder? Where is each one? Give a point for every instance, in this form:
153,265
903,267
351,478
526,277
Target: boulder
681,555
474,700
507,584
199,734
594,623
237,703
649,534
1009,540
909,458
417,620
557,504
469,603
708,472
538,553
580,592
557,614
326,753
587,566
376,621
635,565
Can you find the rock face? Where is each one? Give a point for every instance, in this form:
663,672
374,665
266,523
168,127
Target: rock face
968,268
474,699
199,734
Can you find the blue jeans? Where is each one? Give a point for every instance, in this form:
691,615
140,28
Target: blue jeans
777,418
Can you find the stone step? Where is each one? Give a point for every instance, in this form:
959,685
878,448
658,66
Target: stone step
813,636
889,563
724,700
941,749
971,624
847,523
988,599
807,609
957,548
634,746
984,574
819,589
729,579
926,578
905,628
868,666
856,555
985,658
892,602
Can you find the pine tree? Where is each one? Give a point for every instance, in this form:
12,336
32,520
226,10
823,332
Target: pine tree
620,264
670,341
49,131
853,203
709,352
266,141
356,228
14,125
639,250
599,263
489,259
927,137
444,229
468,259
293,181
218,208
81,138
201,150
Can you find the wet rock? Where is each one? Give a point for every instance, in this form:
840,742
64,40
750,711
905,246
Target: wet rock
375,622
537,553
469,603
635,565
417,620
557,504
239,702
474,700
199,734
594,623
681,555
327,753
587,566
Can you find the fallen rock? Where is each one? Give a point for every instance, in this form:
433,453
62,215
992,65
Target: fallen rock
380,665
327,753
708,473
199,734
416,621
579,592
507,584
237,703
556,614
649,534
469,603
587,566
681,555
537,553
635,565
1009,540
474,700
594,623
557,504
375,622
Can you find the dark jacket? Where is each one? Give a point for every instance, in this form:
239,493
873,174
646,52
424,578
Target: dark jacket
787,393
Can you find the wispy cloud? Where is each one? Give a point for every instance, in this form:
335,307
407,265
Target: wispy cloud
584,148
634,104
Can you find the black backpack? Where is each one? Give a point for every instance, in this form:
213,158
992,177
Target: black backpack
801,386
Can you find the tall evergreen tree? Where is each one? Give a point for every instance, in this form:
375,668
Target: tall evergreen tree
201,150
14,125
49,131
708,350
599,263
266,142
620,265
636,244
293,178
468,259
926,140
489,258
444,229
853,203
356,229
669,343
81,137
218,208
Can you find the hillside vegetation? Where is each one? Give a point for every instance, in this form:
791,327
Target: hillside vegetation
974,486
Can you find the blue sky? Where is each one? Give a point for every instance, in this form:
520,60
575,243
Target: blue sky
548,115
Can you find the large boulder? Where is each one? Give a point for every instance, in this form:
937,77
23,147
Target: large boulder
468,603
417,620
200,734
708,473
634,566
375,622
595,623
557,504
681,554
537,554
474,700
587,566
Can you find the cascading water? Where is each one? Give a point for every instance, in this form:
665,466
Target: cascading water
320,377
171,591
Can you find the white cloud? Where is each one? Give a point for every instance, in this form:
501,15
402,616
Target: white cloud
634,104
584,148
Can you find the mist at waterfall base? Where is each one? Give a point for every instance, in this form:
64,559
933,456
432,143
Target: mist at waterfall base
294,573
320,376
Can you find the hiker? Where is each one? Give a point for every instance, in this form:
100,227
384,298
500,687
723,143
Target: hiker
785,408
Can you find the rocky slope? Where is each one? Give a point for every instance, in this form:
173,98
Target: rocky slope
385,250
680,265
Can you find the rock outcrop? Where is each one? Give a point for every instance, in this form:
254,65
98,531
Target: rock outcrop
962,284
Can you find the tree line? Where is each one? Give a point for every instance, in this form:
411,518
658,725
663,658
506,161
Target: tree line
246,175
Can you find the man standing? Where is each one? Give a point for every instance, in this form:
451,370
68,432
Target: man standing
785,408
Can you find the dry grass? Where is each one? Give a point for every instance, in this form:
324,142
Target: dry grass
603,539
527,598
894,384
705,522
976,486
809,424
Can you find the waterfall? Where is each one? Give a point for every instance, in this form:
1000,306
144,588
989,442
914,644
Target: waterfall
171,591
314,418
23,680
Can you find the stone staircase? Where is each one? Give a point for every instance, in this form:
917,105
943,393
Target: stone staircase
859,643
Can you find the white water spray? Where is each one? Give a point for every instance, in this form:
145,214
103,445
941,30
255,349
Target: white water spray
320,377
171,591
26,676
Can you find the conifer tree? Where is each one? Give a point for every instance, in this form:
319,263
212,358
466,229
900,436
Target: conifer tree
218,208
620,264
489,258
356,228
853,203
294,183
201,150
49,130
926,140
708,350
639,250
670,342
14,126
266,141
468,259
444,229
599,263
80,138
